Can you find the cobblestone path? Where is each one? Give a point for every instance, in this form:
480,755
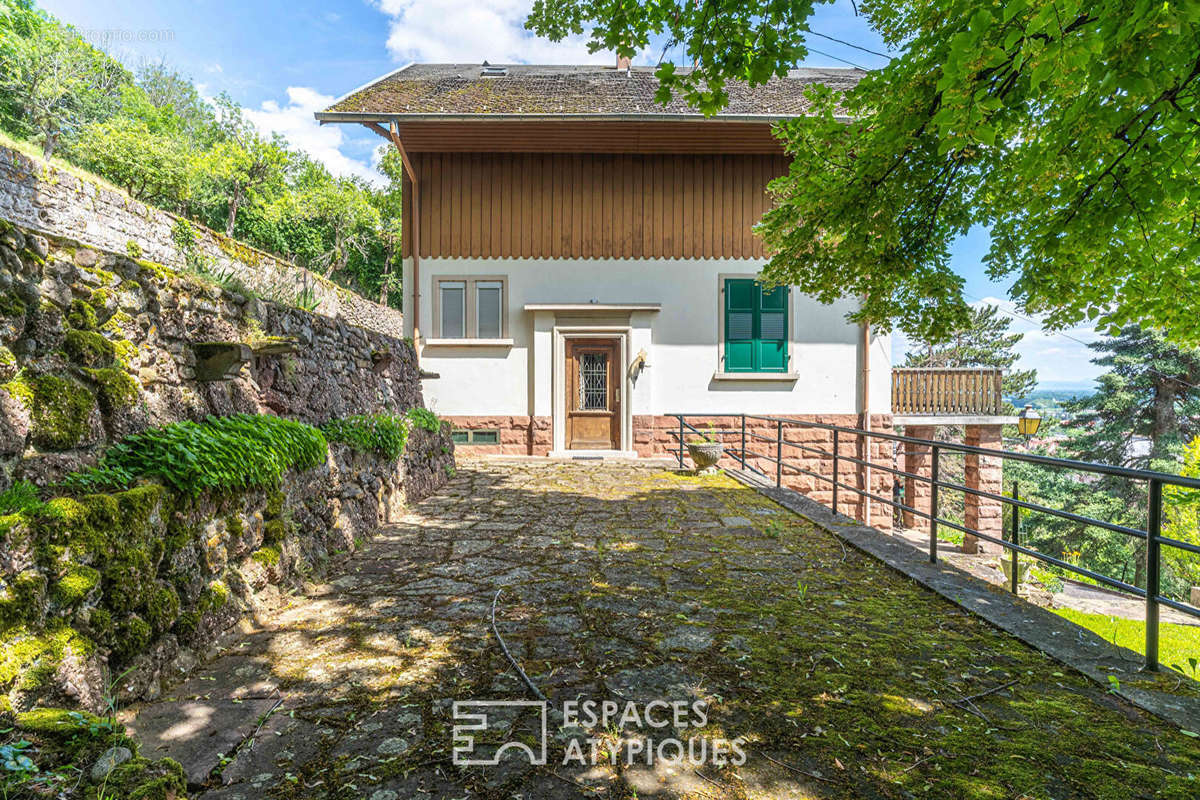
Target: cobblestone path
836,677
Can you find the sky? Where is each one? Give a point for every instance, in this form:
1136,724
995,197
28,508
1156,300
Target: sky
285,60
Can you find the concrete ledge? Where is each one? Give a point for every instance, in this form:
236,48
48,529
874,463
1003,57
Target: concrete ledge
468,342
1044,630
756,376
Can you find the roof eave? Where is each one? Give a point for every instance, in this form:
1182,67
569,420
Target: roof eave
370,116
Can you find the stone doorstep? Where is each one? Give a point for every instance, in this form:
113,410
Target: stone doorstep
1076,647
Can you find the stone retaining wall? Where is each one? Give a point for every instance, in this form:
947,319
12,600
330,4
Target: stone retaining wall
96,345
54,202
66,309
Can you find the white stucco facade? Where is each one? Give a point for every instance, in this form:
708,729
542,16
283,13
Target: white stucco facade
669,309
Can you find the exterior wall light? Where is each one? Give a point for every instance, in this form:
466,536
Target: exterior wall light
1028,422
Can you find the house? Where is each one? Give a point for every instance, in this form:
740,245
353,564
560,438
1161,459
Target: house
579,261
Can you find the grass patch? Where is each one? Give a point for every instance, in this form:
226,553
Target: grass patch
1178,645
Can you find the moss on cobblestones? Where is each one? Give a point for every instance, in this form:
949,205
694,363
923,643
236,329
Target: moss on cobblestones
821,657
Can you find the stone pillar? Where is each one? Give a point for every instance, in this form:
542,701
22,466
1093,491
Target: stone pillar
985,473
917,460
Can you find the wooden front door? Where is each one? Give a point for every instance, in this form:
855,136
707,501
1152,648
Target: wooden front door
593,394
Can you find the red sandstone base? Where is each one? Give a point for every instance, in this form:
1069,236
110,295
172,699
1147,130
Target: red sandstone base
658,436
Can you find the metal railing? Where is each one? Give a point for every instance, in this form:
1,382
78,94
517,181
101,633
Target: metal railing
946,390
749,459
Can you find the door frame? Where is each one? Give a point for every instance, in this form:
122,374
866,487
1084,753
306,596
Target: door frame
622,333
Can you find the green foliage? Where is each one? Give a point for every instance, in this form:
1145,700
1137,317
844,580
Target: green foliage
384,434
1182,521
1067,128
133,249
1149,396
306,299
985,342
18,497
424,419
151,167
51,79
1179,645
1150,391
184,236
242,451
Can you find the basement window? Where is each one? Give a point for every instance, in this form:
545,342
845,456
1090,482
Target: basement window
476,437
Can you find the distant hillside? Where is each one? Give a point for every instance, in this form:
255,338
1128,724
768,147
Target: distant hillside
1048,396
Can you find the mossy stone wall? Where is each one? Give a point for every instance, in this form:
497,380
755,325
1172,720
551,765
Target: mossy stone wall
57,203
96,345
140,582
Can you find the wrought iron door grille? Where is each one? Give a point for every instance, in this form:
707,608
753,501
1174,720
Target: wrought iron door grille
593,382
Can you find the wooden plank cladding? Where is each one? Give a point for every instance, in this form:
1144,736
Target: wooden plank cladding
595,136
967,390
553,205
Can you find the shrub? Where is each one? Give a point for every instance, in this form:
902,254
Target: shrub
242,451
385,434
424,419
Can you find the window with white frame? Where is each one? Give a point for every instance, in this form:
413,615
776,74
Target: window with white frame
470,307
489,309
452,297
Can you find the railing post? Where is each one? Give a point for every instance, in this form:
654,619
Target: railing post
1153,531
680,441
835,471
743,451
778,452
1016,536
933,505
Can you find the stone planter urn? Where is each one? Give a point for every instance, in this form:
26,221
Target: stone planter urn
1022,568
705,456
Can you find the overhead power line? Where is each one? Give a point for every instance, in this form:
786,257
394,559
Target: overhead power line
835,58
850,44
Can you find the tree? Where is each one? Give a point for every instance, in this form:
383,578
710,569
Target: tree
55,79
1182,522
152,167
1070,128
984,342
1150,392
389,202
343,205
242,163
178,105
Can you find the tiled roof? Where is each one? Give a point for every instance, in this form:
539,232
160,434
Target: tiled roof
461,89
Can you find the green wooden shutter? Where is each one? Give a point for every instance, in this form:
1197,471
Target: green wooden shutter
756,326
741,300
772,333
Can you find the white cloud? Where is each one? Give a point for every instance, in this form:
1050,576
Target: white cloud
1056,355
295,123
473,31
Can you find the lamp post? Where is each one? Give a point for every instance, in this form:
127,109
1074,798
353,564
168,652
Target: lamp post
1028,422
